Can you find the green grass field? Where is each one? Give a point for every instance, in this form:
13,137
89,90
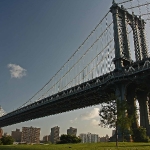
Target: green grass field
93,146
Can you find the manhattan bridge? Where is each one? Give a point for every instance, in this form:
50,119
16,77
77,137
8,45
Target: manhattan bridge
113,59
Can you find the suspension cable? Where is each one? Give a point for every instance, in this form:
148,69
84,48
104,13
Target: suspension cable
84,53
67,60
125,2
137,6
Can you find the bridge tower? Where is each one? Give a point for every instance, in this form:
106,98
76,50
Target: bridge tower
121,19
128,90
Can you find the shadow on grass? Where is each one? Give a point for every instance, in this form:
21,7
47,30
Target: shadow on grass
133,144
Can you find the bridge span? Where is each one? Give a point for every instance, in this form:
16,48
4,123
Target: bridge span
90,93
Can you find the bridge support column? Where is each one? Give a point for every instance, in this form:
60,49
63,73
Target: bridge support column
131,100
121,96
149,103
120,92
144,111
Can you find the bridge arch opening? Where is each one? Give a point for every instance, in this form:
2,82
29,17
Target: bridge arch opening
131,42
138,111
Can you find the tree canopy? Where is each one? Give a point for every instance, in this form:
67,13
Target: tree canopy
139,135
1,142
113,114
7,140
69,139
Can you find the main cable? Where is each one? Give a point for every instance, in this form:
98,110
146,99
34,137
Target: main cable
67,60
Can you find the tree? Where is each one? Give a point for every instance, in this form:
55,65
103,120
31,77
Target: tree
139,135
69,139
1,142
113,114
7,140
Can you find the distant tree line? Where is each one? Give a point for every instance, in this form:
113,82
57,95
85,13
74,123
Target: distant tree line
6,140
69,139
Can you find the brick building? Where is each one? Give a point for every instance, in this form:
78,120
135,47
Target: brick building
72,131
55,134
16,135
30,135
46,138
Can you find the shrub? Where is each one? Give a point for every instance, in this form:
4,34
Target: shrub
139,135
69,139
7,140
1,142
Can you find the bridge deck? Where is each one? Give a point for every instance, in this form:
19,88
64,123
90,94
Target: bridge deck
86,94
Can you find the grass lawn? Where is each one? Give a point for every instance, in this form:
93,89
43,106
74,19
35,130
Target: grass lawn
92,146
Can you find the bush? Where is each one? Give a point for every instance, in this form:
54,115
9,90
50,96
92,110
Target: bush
69,139
7,140
139,135
1,142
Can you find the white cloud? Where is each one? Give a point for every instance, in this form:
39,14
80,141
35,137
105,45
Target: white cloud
95,122
90,115
16,71
74,120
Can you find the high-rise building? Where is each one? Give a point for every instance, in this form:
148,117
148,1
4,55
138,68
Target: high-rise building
104,139
89,138
72,131
30,135
1,133
55,134
94,138
47,138
113,132
83,137
16,135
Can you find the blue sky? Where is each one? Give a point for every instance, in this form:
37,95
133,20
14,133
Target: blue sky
36,38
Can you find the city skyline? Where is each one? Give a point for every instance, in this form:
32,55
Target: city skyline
49,132
18,137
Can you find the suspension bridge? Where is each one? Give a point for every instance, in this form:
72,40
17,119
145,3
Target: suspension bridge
114,58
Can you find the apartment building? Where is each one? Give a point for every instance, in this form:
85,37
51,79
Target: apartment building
72,131
89,138
16,135
47,138
55,134
30,135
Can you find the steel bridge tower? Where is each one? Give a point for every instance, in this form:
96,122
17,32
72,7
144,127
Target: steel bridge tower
129,90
